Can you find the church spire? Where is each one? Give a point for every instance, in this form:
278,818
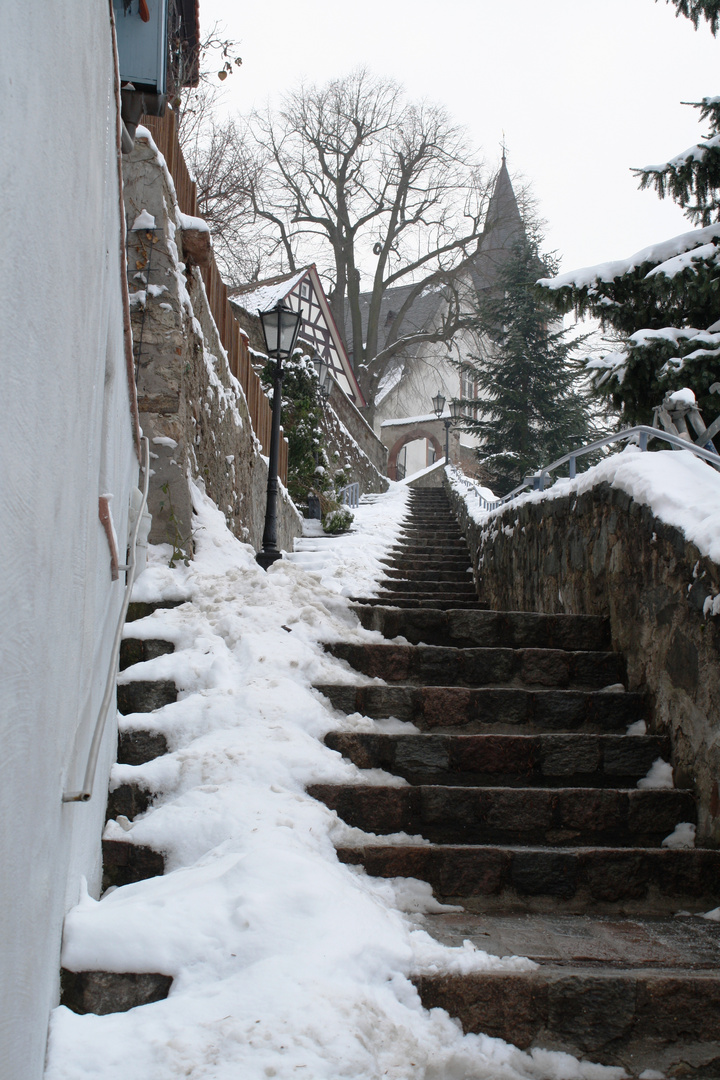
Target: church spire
503,227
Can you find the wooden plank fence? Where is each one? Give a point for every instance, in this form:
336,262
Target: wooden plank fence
164,132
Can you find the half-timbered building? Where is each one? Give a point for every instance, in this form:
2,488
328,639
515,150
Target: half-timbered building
302,291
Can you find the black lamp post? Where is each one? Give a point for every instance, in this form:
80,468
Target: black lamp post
280,329
455,415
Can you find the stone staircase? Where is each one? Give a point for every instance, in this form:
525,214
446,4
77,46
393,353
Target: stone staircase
104,992
522,782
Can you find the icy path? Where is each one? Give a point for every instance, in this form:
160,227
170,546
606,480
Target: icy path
285,962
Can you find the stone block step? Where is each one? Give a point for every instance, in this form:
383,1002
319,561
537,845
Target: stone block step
562,817
136,650
125,862
466,629
596,880
636,1019
433,574
130,800
145,696
493,710
437,666
136,746
507,760
416,603
137,610
441,598
425,561
431,585
422,542
104,992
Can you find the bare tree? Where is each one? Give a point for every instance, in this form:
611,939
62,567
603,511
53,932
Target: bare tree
356,179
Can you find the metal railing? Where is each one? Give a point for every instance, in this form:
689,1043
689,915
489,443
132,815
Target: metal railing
85,793
642,434
350,495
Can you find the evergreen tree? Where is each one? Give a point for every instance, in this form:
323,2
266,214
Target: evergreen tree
663,302
530,406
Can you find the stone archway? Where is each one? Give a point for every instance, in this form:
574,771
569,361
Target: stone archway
408,436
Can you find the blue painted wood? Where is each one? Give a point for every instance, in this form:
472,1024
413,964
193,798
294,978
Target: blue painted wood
142,46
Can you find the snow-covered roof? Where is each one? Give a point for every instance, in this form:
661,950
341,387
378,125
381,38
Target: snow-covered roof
264,295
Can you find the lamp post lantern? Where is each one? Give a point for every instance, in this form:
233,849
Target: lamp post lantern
280,328
455,415
324,377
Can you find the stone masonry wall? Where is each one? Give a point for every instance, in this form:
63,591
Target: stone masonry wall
358,451
191,407
603,553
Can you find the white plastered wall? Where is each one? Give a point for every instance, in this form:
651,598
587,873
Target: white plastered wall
65,438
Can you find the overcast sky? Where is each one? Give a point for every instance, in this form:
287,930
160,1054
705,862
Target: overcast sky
582,90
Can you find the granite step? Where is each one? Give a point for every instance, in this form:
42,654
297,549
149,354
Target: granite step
466,629
137,650
439,598
433,574
591,759
437,602
145,696
432,585
505,879
125,862
434,665
427,544
136,746
563,816
491,710
105,992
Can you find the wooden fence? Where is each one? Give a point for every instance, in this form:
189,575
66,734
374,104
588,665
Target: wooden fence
164,132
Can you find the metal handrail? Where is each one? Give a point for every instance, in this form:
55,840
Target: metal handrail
350,495
642,432
86,791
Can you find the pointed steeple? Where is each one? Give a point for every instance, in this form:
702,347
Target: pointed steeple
503,224
503,228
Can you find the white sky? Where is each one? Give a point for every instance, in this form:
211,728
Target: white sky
583,91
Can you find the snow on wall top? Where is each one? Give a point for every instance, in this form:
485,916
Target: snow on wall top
679,488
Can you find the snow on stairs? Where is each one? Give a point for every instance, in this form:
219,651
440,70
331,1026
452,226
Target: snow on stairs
430,563
104,992
523,784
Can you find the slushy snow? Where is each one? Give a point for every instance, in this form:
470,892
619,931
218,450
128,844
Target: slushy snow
286,963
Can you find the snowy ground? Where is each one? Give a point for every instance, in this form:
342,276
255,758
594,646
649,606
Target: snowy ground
285,962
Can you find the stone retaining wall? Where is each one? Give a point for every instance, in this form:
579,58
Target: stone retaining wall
191,407
353,445
603,553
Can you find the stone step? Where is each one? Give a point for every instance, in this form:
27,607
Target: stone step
507,760
125,862
493,710
128,800
420,603
136,746
465,629
439,534
137,610
408,573
145,696
507,879
441,598
467,585
428,545
563,817
436,566
136,650
663,1021
434,665
105,992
